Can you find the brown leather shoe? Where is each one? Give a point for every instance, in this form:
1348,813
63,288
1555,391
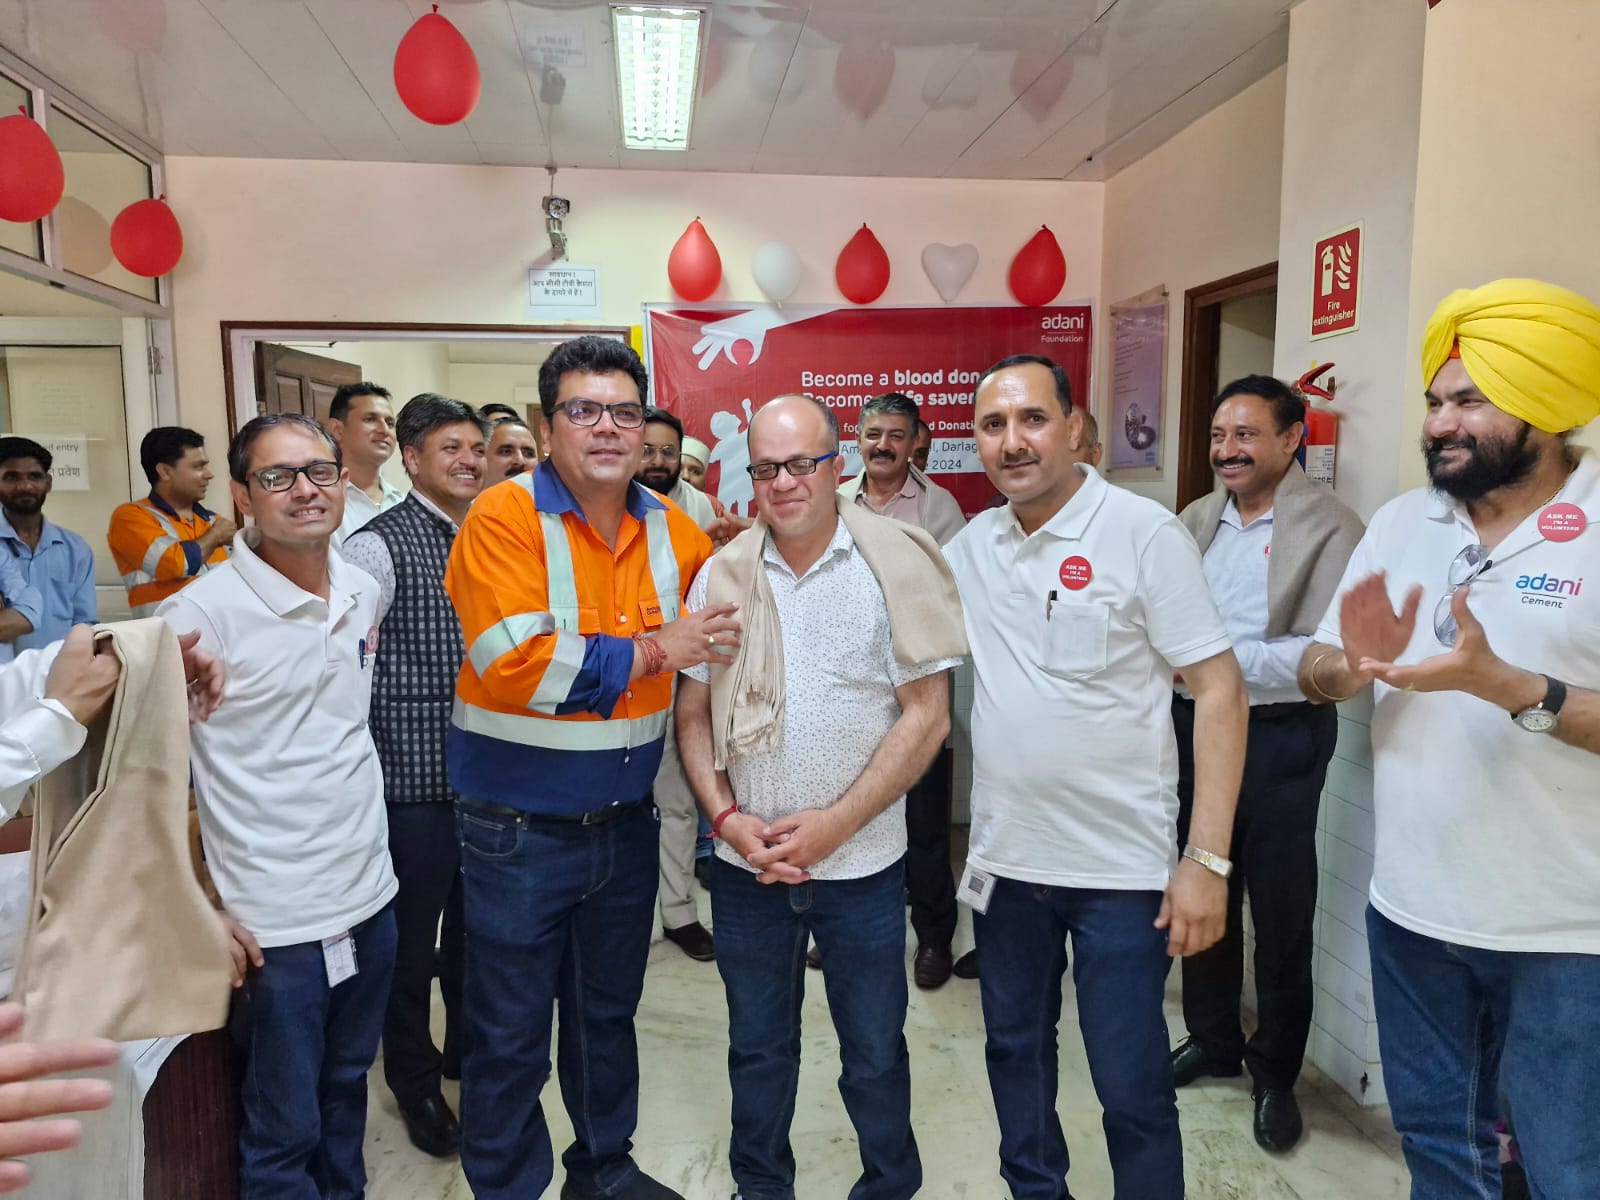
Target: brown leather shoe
694,940
931,967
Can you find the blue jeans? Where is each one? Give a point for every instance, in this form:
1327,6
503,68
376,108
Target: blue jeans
860,928
1119,970
309,1048
1458,1027
557,913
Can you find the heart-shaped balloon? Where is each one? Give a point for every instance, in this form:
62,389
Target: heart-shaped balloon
949,267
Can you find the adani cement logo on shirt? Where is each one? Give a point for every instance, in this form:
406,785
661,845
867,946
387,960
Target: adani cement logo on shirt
1547,591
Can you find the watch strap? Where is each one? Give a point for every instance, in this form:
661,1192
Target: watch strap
1555,695
1214,863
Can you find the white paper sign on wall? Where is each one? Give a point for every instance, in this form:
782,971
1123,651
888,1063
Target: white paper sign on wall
563,290
69,467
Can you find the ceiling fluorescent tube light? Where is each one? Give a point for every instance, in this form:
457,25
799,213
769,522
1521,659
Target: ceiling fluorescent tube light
658,67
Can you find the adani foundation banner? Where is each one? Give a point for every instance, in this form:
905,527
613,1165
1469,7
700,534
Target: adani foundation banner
712,366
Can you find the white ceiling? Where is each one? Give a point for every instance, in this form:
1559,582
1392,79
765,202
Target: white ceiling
1024,89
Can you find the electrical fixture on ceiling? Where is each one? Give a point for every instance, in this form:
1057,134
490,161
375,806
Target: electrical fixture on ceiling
556,210
658,67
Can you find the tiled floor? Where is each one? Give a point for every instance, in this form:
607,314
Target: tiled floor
683,1124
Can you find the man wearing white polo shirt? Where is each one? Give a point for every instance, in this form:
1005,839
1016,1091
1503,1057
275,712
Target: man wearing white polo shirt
1081,600
292,813
1484,924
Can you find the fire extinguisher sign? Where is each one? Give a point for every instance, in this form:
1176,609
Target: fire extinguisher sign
1336,282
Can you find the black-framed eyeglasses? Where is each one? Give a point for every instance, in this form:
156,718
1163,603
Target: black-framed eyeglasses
280,479
626,415
1466,566
795,466
665,453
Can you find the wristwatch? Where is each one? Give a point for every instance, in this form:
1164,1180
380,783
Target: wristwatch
1542,717
1214,863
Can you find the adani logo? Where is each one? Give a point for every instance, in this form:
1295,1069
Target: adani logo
1547,591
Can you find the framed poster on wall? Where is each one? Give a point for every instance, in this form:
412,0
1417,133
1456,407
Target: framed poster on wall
1138,382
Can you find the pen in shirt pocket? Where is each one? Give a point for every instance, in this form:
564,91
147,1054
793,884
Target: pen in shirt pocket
1049,601
361,653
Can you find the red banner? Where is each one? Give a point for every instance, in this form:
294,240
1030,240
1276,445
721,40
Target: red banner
713,366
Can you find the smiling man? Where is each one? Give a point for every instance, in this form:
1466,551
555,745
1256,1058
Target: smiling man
1081,600
1484,921
362,422
291,809
406,550
1274,546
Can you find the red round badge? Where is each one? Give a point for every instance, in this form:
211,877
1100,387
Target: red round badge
1076,573
1562,522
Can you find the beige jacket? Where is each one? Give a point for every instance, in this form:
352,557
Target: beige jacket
121,941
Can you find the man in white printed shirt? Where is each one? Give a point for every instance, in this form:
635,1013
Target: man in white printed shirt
809,809
291,810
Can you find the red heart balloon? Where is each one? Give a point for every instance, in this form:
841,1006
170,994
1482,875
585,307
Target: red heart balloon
1039,270
31,175
694,267
862,74
862,271
146,238
436,72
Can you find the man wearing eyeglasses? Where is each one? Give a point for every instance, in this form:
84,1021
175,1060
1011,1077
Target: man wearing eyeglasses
801,752
291,809
568,582
1274,545
1465,608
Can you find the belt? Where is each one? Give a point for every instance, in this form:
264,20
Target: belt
1267,712
598,816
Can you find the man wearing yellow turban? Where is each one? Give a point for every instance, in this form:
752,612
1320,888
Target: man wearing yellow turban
1484,923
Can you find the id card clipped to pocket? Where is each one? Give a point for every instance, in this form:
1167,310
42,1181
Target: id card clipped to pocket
339,957
976,888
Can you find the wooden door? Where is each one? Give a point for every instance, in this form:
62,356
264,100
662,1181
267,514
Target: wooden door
290,380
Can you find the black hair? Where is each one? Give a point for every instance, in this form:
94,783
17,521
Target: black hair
1287,408
429,411
165,445
1063,384
589,355
660,416
495,409
239,451
21,447
339,409
892,404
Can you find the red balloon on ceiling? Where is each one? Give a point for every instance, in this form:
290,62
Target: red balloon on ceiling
137,25
31,176
862,271
694,266
862,74
436,72
1039,270
146,239
1039,78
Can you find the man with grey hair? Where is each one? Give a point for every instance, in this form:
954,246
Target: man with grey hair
406,549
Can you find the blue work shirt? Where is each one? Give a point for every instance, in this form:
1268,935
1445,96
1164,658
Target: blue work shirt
60,570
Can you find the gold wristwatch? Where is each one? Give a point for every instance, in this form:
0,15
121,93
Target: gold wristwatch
1214,863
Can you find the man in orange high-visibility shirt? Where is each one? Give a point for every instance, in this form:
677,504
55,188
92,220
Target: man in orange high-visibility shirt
568,581
162,542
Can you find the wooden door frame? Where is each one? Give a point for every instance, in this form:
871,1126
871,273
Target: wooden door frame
1202,329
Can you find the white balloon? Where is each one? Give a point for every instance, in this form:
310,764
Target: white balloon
949,266
776,267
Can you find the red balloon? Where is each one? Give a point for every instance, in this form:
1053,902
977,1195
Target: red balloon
862,74
1039,78
862,271
1039,270
694,266
436,72
146,239
31,175
137,25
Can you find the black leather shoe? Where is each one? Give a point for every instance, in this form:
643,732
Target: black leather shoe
641,1188
814,959
694,940
432,1127
1278,1125
1190,1062
932,966
966,967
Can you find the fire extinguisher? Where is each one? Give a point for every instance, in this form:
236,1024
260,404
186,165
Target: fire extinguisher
1321,445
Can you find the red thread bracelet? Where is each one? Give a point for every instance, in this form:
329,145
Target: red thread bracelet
655,655
716,824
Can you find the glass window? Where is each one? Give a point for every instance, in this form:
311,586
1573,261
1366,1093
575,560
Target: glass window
102,180
23,237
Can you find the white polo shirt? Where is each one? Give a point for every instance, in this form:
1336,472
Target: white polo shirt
291,794
1075,765
1487,835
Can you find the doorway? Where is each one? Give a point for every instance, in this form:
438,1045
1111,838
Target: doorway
1228,328
291,380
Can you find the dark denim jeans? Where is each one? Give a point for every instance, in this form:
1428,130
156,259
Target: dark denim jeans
1457,1028
860,928
309,1048
1119,969
557,913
